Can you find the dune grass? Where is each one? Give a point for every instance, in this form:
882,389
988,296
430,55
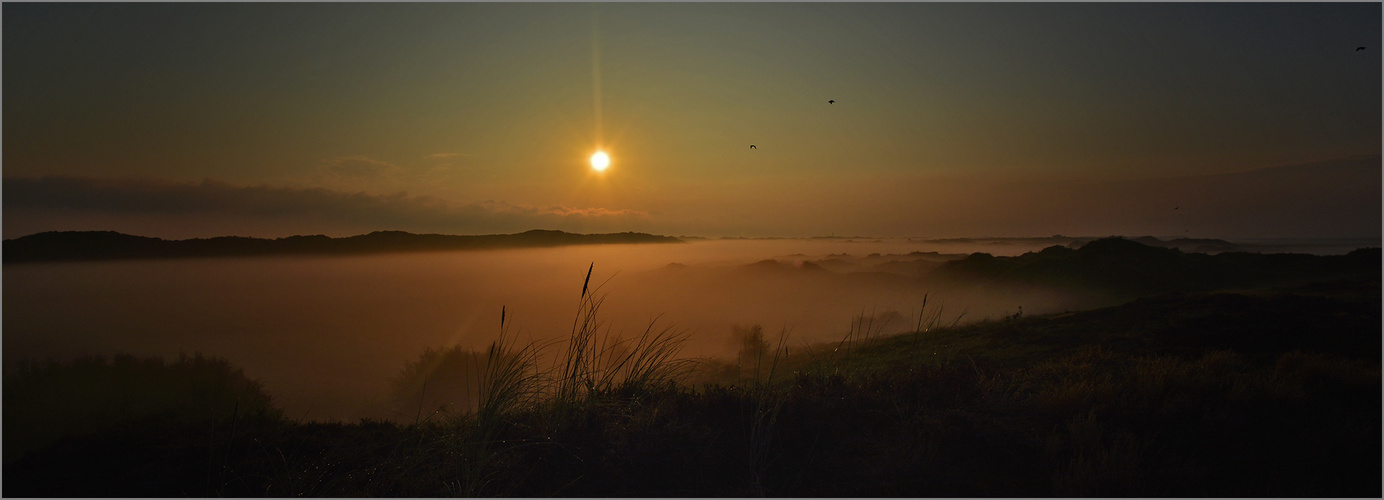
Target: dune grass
48,400
1200,395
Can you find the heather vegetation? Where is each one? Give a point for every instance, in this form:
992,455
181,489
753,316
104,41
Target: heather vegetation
92,394
1272,392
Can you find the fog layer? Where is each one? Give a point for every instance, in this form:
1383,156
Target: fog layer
326,334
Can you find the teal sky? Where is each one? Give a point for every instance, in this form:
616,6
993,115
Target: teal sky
953,119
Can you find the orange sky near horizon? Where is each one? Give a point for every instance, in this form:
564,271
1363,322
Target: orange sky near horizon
194,120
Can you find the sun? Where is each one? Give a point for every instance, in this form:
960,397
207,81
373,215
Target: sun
600,161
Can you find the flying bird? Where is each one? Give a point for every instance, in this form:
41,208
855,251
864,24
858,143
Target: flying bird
831,101
752,147
1358,49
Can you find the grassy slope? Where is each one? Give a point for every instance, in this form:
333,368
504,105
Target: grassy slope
1265,394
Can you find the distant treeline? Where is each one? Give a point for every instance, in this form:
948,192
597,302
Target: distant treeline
107,245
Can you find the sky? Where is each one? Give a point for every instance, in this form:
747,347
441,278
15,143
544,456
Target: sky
182,120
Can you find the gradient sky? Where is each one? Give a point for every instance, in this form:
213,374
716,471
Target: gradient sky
953,119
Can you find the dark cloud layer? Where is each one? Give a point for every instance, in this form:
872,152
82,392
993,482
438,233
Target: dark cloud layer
1340,198
1322,199
28,200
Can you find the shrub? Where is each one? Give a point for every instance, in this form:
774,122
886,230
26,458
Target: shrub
46,401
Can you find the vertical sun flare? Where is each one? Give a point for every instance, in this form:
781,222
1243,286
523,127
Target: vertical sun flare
600,161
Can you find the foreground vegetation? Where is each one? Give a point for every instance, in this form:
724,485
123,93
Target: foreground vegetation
1271,393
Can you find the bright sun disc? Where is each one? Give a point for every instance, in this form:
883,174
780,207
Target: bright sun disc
600,161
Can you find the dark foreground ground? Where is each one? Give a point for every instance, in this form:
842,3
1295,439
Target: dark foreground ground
1263,394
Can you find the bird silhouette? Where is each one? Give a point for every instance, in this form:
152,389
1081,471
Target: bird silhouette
1175,208
831,101
752,147
1358,49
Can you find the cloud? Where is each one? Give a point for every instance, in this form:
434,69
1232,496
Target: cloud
359,173
365,174
1327,199
33,204
589,212
358,167
1339,198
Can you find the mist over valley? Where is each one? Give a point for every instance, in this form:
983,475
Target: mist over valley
326,334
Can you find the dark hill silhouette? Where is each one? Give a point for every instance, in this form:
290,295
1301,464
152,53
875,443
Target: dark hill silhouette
1198,245
107,245
771,266
1132,269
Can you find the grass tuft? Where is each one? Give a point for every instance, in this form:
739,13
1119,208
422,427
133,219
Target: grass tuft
1127,401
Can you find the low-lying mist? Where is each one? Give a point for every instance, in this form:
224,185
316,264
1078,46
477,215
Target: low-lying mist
327,334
